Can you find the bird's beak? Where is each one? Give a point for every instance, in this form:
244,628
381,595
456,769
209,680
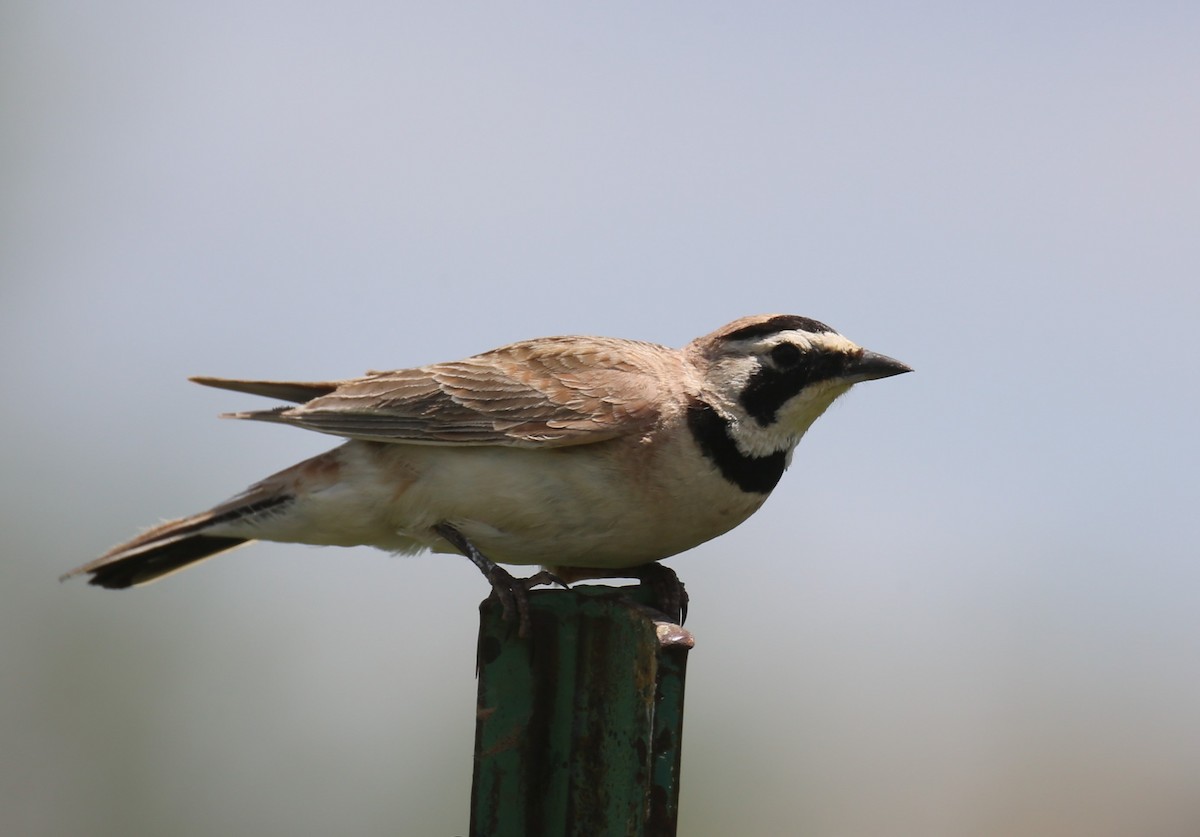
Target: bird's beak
871,366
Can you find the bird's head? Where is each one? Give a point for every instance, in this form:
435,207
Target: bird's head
772,376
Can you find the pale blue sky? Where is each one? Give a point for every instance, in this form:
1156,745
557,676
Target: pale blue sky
969,609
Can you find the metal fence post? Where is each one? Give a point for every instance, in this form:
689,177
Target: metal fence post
579,725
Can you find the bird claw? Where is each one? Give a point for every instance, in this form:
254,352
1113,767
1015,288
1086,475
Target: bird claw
668,591
544,577
670,595
513,593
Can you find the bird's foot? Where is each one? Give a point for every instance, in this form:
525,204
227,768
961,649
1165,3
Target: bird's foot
512,592
668,591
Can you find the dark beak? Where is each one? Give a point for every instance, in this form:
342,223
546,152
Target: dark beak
871,366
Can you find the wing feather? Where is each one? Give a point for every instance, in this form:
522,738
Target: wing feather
549,392
295,391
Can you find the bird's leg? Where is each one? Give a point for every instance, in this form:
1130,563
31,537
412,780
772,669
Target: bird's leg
512,592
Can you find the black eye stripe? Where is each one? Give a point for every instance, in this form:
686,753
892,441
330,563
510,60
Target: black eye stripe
786,354
769,388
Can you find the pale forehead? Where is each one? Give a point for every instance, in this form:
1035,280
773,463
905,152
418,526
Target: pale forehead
829,341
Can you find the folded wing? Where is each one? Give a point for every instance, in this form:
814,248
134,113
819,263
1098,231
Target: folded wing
549,392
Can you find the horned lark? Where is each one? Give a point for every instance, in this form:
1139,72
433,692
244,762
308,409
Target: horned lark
591,456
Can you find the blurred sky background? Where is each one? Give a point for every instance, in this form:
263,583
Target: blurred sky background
971,609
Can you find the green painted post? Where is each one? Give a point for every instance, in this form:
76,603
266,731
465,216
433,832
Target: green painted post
579,725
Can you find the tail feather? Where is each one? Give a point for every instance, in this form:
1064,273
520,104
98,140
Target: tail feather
176,544
123,571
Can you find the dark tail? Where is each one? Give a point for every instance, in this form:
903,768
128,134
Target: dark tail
159,552
118,573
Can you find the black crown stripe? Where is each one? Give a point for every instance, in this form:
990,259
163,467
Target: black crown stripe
782,322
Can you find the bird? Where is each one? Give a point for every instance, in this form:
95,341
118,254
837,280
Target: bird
592,457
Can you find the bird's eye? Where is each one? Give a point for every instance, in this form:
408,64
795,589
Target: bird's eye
785,355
